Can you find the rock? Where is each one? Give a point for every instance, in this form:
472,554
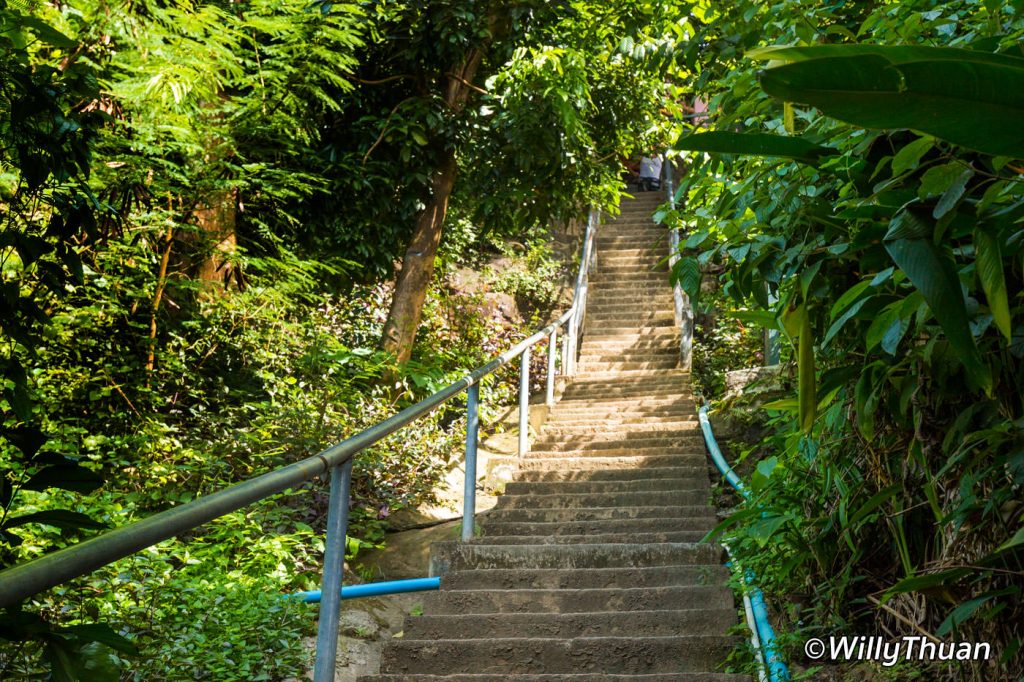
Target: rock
359,624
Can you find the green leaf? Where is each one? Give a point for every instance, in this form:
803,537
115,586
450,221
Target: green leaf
687,273
104,634
960,614
909,156
756,144
46,33
977,104
935,276
989,263
58,518
66,477
873,503
1017,539
896,54
951,197
937,179
806,375
924,582
764,528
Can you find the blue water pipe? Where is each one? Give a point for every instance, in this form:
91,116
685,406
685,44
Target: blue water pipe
777,670
375,589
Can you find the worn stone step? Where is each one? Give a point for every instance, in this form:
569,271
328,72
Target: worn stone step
631,474
568,677
697,524
546,464
644,408
585,578
600,441
632,451
617,655
653,498
630,330
564,625
634,374
592,486
586,366
690,535
450,556
639,394
615,424
566,515
577,601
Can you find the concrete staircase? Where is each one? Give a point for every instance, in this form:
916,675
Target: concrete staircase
588,568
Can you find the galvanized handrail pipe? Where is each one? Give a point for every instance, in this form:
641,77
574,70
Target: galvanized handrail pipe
549,395
524,403
682,306
579,299
334,564
469,488
20,582
24,580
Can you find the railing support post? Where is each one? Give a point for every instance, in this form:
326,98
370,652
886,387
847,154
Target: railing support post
472,433
524,402
334,564
549,398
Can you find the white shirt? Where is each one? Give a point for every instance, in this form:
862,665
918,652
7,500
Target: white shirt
650,168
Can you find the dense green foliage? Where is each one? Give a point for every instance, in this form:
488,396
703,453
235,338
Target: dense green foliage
865,201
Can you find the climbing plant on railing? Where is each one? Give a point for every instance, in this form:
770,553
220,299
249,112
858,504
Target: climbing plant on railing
865,200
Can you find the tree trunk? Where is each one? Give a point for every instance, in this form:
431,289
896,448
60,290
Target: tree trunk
418,265
215,241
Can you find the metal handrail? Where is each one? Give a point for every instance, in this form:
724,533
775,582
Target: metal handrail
23,581
683,308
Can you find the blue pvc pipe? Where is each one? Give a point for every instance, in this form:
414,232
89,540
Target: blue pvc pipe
777,670
716,454
376,589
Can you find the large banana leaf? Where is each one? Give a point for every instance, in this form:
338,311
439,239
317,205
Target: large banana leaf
934,275
974,102
896,54
757,144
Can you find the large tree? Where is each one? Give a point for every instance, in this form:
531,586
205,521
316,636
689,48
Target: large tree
515,109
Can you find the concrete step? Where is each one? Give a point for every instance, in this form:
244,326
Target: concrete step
617,655
581,514
652,498
453,556
587,366
692,535
585,578
592,486
632,451
597,624
606,330
610,424
625,403
577,601
632,474
600,441
568,677
548,464
700,524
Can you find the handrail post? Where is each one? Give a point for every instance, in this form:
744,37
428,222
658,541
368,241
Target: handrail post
472,432
549,398
524,402
334,564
